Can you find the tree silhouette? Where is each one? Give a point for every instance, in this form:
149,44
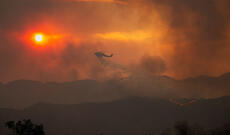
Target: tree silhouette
25,127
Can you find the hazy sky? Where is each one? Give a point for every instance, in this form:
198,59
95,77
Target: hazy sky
178,38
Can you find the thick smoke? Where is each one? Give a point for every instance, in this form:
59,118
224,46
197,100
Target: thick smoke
153,65
196,37
178,38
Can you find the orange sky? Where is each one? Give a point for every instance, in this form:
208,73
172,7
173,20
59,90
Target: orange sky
182,39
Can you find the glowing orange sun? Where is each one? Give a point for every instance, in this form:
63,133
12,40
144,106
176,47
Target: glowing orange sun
38,38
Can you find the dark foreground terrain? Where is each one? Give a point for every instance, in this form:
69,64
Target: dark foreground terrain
129,116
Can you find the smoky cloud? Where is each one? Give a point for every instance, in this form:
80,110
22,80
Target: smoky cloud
153,65
177,38
197,33
64,61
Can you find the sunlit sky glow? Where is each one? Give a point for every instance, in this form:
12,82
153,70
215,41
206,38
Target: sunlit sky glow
177,39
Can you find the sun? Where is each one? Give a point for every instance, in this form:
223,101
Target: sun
43,39
38,38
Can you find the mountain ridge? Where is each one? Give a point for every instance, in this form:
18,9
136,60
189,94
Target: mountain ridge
23,93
